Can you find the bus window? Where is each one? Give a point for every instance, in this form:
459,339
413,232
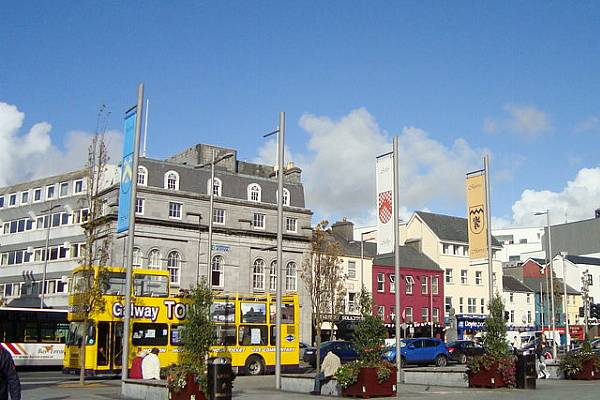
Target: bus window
224,335
115,283
151,285
145,334
176,335
287,313
222,311
31,332
75,334
252,335
254,313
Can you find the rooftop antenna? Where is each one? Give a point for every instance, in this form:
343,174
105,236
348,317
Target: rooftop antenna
145,129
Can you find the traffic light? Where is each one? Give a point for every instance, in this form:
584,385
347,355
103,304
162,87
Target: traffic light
595,311
582,312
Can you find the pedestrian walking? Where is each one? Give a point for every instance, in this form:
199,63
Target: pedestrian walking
9,379
540,349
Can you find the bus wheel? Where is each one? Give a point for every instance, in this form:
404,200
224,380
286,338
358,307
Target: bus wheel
255,365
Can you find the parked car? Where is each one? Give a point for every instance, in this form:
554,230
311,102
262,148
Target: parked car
302,347
460,350
420,351
344,350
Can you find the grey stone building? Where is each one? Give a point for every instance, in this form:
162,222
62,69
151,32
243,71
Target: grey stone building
170,235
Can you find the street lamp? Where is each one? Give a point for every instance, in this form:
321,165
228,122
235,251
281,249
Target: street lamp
549,252
193,214
362,256
49,211
563,254
210,211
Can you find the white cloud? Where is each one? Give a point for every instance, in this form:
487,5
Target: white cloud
527,121
33,155
577,201
339,166
490,125
588,124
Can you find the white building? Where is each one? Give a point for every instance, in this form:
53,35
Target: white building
518,244
575,267
519,303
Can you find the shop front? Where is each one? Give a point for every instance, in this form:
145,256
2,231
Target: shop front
469,326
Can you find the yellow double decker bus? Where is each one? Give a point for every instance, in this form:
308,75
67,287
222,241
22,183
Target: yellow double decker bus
244,326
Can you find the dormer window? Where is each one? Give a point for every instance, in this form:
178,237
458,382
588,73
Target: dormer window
254,192
142,178
172,180
286,197
217,187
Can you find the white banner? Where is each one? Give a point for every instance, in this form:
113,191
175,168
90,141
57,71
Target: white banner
385,203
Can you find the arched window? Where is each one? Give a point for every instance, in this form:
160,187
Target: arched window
174,266
258,275
172,180
254,192
137,257
142,178
217,187
286,196
290,276
273,275
217,271
154,259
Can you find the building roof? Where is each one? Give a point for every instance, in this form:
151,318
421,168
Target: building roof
534,284
409,258
447,227
583,260
512,284
351,248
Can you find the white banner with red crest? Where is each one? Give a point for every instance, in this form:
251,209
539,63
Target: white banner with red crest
385,203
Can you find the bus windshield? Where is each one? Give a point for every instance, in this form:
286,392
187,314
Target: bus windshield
146,285
75,333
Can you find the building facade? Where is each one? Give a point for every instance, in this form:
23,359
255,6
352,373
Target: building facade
519,304
518,244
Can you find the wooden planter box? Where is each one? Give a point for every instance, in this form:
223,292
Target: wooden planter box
487,378
587,371
367,385
191,389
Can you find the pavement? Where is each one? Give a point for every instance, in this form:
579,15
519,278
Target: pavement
52,385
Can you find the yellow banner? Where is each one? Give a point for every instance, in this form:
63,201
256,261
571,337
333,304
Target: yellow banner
476,216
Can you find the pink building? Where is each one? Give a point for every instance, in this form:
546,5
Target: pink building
421,292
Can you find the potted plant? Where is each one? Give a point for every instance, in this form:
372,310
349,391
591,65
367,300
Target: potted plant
370,375
496,368
583,364
188,380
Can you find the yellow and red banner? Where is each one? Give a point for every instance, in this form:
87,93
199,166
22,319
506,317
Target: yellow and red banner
477,216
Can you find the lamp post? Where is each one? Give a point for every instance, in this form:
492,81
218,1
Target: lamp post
565,299
211,208
550,272
49,211
193,214
362,258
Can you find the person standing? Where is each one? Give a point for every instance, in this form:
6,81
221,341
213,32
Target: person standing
9,379
330,365
151,365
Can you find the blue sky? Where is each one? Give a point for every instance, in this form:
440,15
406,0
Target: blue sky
516,79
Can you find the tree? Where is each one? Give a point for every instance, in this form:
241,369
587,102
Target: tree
494,339
322,277
90,282
370,334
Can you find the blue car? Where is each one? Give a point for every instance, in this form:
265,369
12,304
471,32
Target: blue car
344,350
420,351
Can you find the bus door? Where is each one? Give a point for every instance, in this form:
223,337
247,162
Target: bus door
103,344
110,344
117,344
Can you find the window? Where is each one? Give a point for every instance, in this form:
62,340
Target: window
172,180
478,278
252,335
176,335
511,297
466,251
1,201
380,282
590,280
254,192
352,269
351,302
137,257
50,192
483,306
216,187
78,186
291,224
409,284
24,197
139,206
381,311
142,177
392,279
175,210
290,276
463,276
449,278
63,189
154,259
286,197
258,274
448,304
408,315
512,316
460,305
145,334
258,220
218,216
522,241
445,248
174,266
528,317
392,313
436,315
434,285
424,314
424,285
217,271
225,335
12,200
455,250
471,305
273,275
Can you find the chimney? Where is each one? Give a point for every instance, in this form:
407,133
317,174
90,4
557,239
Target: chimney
344,229
598,213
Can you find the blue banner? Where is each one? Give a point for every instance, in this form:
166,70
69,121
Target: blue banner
127,174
